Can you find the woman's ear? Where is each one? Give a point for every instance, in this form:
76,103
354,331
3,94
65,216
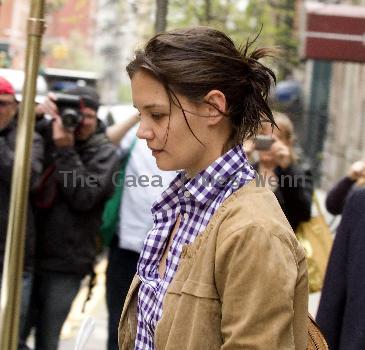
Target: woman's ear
216,105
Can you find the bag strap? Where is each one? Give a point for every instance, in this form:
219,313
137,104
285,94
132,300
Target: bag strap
125,163
124,167
315,338
110,216
317,204
122,171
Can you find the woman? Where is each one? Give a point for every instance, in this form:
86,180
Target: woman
279,170
221,268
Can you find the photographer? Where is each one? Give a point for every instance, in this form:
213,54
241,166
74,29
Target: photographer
278,169
79,165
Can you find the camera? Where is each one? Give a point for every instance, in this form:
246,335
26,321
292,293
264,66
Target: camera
263,142
69,110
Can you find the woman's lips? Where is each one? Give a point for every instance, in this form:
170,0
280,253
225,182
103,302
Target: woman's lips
156,152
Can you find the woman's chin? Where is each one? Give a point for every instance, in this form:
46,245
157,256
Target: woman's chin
165,165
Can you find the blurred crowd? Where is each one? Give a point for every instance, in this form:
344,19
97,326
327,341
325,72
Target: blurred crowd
91,185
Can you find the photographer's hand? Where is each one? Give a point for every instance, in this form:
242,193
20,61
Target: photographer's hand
357,170
62,137
48,106
282,154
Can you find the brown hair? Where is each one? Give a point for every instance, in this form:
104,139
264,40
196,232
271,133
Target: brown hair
287,133
196,60
286,127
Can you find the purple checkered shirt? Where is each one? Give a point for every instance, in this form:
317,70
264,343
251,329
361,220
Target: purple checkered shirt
196,200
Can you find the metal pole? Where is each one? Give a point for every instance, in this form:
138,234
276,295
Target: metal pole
14,253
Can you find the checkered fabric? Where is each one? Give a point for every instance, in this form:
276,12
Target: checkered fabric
195,200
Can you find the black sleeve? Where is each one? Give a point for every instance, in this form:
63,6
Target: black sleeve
7,153
37,160
296,187
86,185
7,157
336,197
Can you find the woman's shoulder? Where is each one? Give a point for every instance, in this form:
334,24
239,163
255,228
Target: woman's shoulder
254,201
254,210
253,205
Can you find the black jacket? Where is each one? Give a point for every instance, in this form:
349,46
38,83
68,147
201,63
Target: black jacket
7,152
341,313
68,220
294,193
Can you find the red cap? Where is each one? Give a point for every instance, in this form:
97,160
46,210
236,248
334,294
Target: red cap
5,87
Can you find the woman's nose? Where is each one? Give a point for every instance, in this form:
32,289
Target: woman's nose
144,132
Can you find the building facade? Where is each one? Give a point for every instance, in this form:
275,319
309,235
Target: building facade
334,50
70,25
13,32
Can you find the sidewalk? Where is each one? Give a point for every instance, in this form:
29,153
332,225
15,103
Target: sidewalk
98,338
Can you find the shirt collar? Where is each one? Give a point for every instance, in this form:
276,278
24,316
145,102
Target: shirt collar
206,185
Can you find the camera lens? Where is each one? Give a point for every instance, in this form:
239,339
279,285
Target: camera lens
70,118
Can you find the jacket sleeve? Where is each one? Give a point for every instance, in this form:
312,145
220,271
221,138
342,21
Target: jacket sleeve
296,187
7,156
86,185
336,197
256,275
37,160
6,160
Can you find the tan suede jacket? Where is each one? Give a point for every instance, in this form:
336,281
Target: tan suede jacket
242,284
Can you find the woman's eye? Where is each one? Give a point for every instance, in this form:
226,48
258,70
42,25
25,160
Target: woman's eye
157,115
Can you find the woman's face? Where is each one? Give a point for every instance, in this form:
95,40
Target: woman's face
170,140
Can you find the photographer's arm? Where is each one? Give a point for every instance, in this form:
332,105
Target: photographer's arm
338,194
86,185
37,159
116,132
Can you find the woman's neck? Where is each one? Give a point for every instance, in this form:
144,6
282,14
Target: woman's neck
207,159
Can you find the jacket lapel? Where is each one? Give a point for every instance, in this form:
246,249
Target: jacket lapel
132,289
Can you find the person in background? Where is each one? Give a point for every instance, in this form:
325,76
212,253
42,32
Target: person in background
354,180
8,126
279,170
341,312
77,181
221,267
135,218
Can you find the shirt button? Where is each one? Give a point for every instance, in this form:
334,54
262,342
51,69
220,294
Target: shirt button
187,194
186,216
